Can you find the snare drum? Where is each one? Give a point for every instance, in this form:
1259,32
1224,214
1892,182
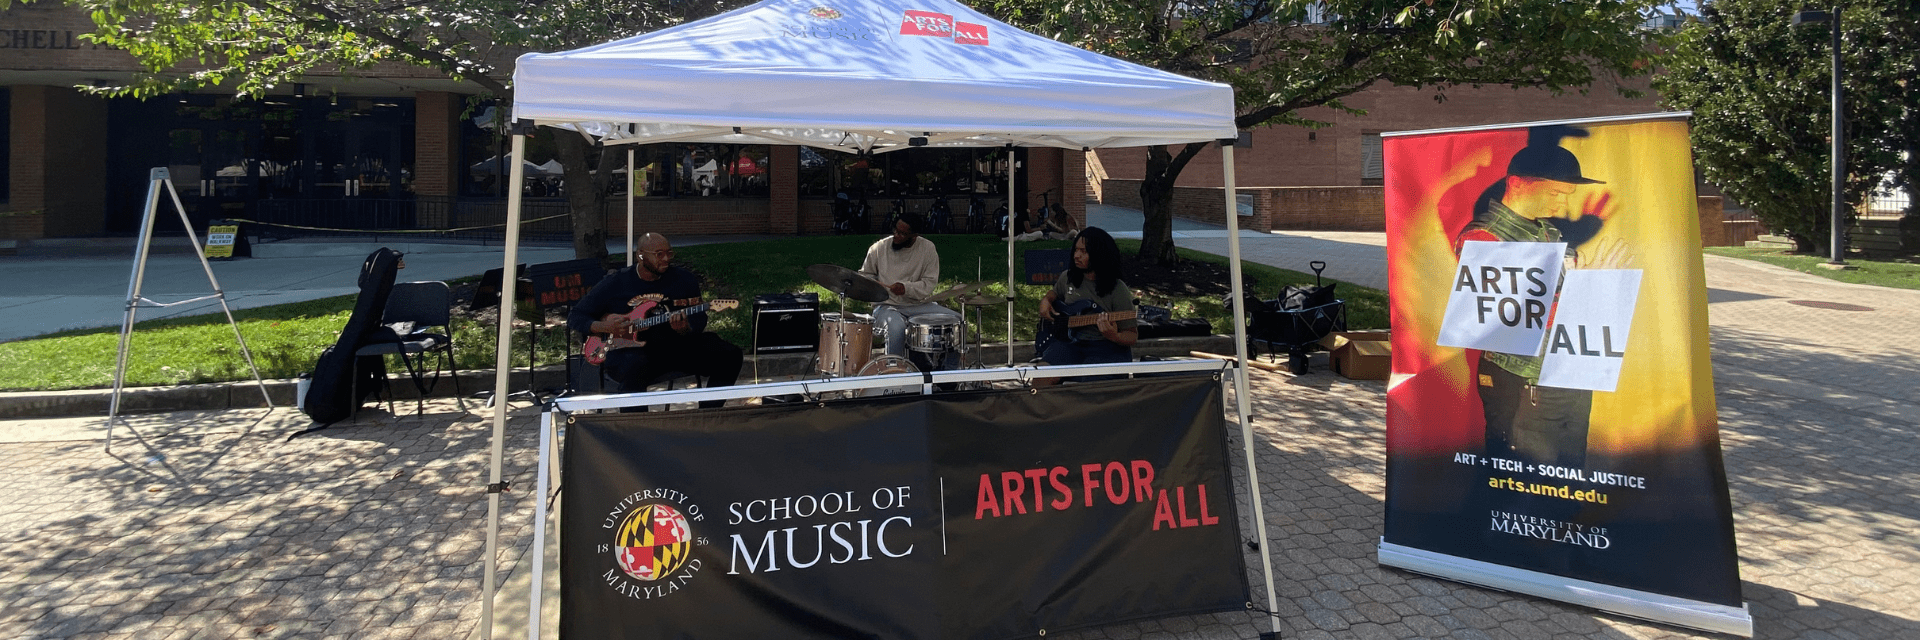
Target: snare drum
857,330
935,333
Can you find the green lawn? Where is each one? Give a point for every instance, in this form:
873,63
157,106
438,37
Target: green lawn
287,339
1897,273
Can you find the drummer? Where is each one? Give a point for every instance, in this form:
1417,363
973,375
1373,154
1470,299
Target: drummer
909,267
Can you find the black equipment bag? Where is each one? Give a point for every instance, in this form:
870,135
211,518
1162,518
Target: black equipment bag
334,392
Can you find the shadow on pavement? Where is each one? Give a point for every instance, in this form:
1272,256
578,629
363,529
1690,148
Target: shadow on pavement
349,531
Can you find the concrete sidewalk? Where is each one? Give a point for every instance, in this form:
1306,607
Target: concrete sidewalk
1358,257
54,293
84,289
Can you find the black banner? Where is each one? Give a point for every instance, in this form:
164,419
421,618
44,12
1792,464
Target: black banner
991,514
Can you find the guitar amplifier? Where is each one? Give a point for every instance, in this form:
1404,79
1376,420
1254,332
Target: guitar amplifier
786,322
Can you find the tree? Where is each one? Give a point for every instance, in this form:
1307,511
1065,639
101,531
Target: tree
1286,56
253,46
1758,90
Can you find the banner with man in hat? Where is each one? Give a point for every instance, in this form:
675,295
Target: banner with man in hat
1551,426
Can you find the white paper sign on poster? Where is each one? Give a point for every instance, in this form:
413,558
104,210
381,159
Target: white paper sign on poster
1590,329
1502,296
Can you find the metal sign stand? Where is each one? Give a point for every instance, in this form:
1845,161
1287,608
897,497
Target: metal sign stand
155,180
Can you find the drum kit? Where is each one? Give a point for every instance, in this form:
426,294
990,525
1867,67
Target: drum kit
846,339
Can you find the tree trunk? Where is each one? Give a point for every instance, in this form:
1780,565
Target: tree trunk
583,196
1156,201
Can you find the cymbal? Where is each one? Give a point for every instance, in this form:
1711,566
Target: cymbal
847,282
957,291
983,300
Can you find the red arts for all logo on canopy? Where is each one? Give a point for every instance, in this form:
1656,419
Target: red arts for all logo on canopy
926,23
969,33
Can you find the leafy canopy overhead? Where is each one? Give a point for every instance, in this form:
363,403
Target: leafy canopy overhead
1762,116
252,46
1284,57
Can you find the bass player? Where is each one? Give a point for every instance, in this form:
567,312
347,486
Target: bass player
1093,282
680,344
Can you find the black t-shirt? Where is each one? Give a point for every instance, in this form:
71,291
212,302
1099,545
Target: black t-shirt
615,292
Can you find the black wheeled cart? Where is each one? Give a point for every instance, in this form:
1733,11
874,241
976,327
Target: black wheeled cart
1296,321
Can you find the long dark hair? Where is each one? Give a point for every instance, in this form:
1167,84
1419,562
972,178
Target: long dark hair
1103,257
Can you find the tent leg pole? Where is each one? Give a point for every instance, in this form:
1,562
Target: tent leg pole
502,358
1011,165
631,172
1242,400
541,482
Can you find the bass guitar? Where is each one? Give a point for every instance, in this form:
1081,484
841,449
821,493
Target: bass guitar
648,311
1071,316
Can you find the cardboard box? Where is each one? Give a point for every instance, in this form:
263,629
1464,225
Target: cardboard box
1360,355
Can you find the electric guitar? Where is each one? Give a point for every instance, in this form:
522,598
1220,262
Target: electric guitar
1071,316
649,310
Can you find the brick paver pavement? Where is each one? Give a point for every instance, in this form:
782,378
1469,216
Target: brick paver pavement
375,530
370,530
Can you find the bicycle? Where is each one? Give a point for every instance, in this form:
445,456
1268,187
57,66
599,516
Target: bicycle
976,214
899,210
939,216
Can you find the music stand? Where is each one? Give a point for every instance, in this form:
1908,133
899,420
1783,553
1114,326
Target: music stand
555,285
487,293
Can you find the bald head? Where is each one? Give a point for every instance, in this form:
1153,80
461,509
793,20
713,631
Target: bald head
656,255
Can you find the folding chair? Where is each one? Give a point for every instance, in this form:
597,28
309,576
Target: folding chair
412,311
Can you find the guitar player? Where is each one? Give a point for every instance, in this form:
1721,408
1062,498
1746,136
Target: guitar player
1094,277
680,344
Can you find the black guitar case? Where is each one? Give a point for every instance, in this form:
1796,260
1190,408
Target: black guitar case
334,393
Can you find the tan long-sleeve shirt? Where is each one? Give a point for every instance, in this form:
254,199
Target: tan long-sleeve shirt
917,267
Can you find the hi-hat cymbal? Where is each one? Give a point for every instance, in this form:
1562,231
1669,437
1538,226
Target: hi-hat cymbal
847,282
957,291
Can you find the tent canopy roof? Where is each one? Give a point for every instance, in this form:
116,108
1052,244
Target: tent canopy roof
863,75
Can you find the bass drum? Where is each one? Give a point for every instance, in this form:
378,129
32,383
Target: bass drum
884,365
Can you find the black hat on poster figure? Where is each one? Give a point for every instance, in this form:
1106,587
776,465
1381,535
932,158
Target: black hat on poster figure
1544,158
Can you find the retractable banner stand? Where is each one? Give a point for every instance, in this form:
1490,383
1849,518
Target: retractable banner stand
974,515
1551,426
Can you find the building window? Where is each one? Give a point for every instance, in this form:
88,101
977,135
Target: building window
679,170
912,172
1372,167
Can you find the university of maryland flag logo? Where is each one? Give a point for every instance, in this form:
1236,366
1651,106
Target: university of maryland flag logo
652,542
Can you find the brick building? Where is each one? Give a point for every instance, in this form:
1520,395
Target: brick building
402,147
1298,178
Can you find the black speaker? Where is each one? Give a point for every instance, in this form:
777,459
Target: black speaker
786,322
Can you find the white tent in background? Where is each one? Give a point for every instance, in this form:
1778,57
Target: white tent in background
866,76
494,165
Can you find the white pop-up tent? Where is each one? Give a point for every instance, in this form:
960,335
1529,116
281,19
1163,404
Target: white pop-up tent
868,76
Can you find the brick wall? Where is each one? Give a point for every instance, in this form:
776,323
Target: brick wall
1274,208
436,139
1073,183
59,152
1295,156
1327,208
689,216
1713,226
783,208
